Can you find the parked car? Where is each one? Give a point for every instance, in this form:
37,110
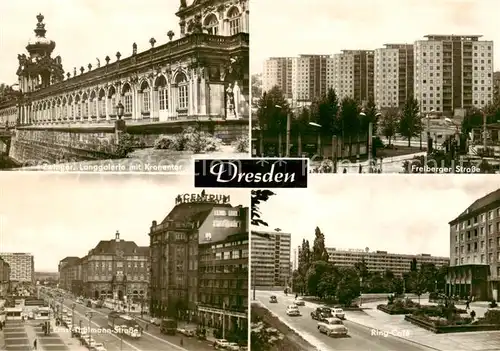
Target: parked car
273,299
292,310
339,313
155,321
332,327
299,302
97,346
322,313
232,346
220,343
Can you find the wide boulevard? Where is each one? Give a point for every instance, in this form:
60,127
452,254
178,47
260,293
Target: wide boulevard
359,337
150,340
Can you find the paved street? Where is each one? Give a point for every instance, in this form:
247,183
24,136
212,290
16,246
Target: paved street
373,319
150,340
359,338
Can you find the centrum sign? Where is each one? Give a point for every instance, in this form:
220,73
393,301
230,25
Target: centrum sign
210,198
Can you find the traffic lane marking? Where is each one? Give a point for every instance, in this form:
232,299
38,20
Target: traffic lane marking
98,326
144,332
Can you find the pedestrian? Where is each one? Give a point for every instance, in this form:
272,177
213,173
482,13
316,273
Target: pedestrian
467,305
296,295
35,344
473,314
345,170
182,342
147,325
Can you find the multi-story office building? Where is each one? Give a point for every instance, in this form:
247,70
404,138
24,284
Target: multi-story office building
4,278
393,75
475,250
199,262
116,269
271,259
453,73
22,266
351,74
380,261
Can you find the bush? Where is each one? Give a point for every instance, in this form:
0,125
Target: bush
390,299
492,317
190,139
126,144
241,144
434,296
493,304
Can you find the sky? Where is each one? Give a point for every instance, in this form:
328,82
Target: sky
282,28
56,215
84,29
403,214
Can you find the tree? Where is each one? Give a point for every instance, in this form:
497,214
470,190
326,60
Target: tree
389,123
316,273
259,196
304,263
256,85
417,283
319,252
300,126
410,124
327,116
348,287
349,119
271,118
362,268
413,265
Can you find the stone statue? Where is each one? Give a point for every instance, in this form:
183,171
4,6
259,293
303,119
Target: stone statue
98,62
230,97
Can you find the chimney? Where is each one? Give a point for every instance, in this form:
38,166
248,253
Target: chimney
117,236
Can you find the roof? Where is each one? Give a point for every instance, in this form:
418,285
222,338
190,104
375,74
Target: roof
70,259
193,211
479,204
111,246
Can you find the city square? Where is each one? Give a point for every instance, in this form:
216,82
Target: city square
428,278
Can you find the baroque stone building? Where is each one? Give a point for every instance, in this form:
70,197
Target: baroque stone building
115,269
200,78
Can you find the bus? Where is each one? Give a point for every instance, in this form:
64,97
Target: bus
124,324
13,313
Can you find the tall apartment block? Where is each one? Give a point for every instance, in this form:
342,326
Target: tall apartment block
453,73
301,79
22,266
393,75
475,250
271,262
351,74
278,72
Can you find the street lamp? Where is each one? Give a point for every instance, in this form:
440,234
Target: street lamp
360,291
72,318
89,315
288,123
120,110
370,140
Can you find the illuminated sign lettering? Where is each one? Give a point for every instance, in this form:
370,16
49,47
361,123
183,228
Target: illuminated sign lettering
210,198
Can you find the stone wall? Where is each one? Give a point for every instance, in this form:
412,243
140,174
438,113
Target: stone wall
34,146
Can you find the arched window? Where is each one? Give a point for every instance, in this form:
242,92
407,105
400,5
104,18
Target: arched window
161,85
93,104
182,85
64,109
102,103
212,24
85,106
234,17
127,99
146,98
78,107
112,101
71,108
